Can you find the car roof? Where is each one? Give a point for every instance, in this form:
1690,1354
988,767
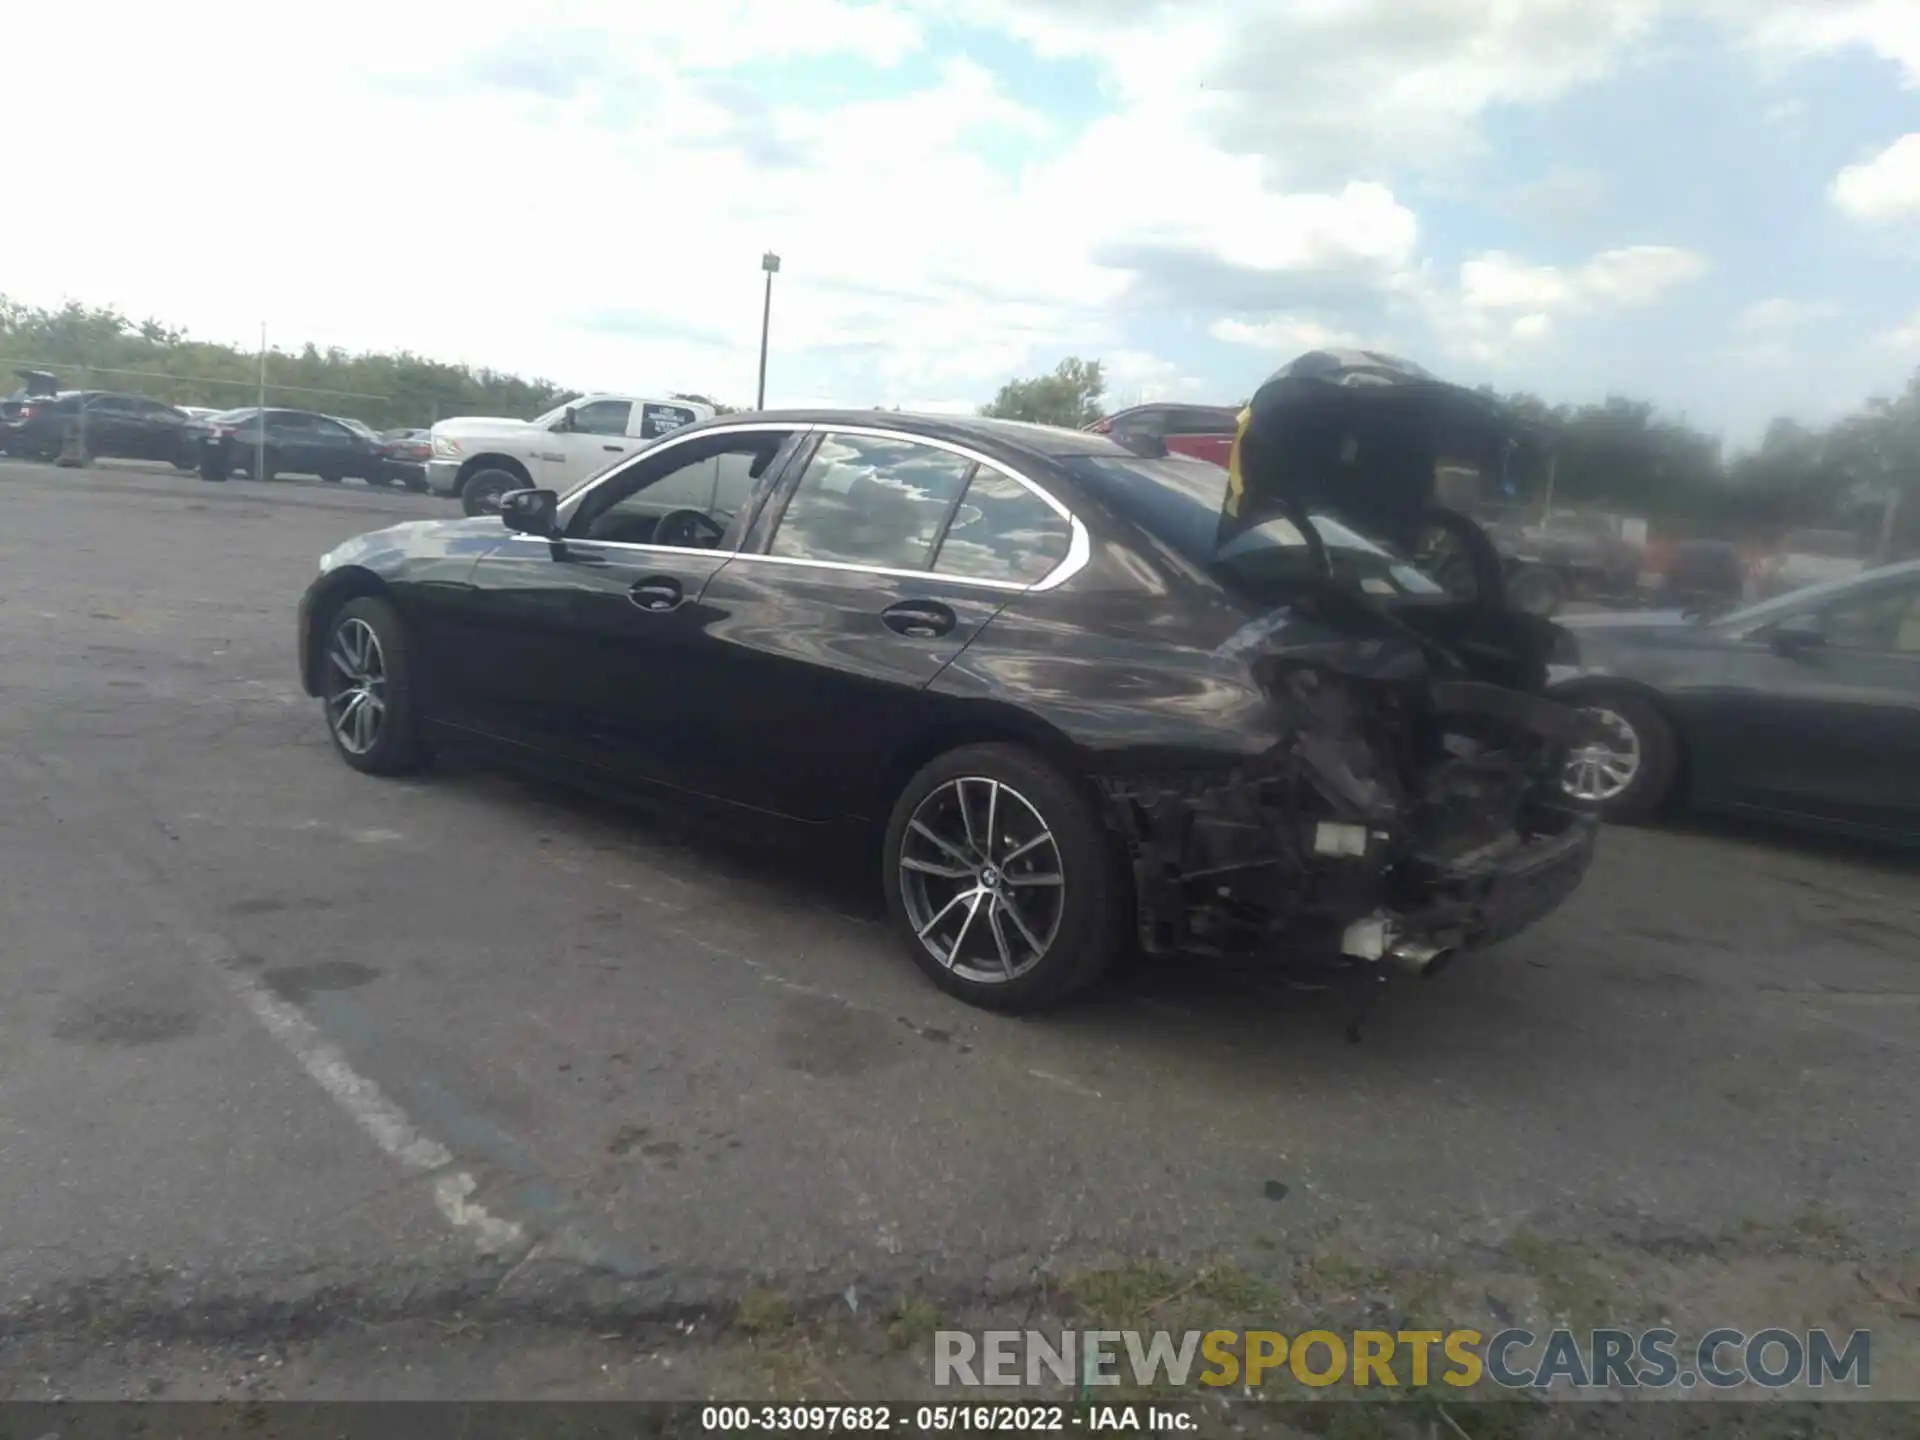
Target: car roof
1008,435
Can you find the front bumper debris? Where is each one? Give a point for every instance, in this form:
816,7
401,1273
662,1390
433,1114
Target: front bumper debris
1335,850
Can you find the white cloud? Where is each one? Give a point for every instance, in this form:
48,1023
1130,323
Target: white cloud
1638,275
1788,30
1286,334
1904,336
1885,187
1135,377
1502,304
1331,87
1632,276
1781,315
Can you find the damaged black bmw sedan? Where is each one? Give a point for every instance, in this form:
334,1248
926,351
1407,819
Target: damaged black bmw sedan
1086,700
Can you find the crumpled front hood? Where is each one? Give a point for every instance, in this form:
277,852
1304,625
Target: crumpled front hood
1359,434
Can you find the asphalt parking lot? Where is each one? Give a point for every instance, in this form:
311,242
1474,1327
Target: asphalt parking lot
288,1045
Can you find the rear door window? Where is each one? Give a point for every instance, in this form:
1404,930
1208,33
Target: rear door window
602,417
871,500
657,419
1001,530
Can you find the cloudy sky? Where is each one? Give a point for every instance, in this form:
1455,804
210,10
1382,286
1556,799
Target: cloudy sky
1711,203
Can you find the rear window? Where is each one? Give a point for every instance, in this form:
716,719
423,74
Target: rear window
1178,501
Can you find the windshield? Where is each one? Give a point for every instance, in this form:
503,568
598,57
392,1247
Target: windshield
1178,501
359,427
555,413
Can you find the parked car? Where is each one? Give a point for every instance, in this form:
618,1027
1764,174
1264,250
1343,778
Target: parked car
84,425
1572,555
298,442
479,458
34,385
407,453
1703,577
1204,432
1021,660
1804,707
1808,557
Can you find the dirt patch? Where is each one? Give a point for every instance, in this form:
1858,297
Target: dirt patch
128,1023
303,982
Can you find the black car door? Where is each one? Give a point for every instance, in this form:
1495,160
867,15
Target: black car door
883,558
156,430
299,443
1822,715
590,648
336,449
109,426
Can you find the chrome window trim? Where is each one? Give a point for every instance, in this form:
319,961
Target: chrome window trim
1079,543
545,543
1012,587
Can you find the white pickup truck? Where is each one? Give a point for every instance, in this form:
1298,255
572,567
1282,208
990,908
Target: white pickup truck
479,458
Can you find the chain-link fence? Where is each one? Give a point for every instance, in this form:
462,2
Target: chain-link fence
95,392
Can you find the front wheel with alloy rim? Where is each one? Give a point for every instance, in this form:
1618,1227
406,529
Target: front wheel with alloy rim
1001,879
481,494
366,688
1626,772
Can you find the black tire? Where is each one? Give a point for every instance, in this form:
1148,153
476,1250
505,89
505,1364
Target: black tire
211,471
1537,590
395,748
1652,787
481,494
1094,909
330,477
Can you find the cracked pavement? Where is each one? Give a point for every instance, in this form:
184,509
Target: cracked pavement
676,1069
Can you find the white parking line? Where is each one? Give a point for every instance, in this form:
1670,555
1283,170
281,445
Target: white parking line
364,1102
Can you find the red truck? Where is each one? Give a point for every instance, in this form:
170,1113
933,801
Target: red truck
1204,432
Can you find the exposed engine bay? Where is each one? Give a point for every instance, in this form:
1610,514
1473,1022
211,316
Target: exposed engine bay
1411,809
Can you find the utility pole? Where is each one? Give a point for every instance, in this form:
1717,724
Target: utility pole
770,263
260,418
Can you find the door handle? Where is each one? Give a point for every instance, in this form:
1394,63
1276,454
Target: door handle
621,448
657,594
919,619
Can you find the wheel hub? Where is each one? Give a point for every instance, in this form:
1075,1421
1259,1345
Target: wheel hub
982,880
1603,769
357,689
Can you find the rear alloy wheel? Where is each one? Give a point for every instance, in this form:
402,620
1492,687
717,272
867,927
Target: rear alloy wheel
365,685
1627,772
482,492
1002,880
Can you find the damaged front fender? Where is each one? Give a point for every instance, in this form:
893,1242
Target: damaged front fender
1397,819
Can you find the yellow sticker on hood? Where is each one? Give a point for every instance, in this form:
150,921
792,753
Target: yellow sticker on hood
1236,483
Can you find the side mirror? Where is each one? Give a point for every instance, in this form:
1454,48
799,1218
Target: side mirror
566,420
531,512
1797,633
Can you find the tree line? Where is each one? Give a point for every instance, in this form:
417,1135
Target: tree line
99,348
1861,473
